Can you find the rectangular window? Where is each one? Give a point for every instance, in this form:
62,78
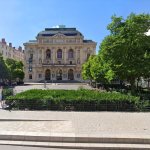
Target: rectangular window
70,54
59,54
30,76
31,56
78,75
40,75
70,62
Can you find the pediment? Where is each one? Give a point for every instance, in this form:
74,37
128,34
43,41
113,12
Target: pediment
59,35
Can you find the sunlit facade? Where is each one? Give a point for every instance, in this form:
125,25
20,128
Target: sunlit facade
8,51
57,54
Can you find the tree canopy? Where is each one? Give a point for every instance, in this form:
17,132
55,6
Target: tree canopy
3,69
125,52
127,48
15,69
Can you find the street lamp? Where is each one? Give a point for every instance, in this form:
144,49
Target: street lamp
44,83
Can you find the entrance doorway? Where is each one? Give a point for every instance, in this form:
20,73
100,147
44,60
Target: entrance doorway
59,75
47,74
70,74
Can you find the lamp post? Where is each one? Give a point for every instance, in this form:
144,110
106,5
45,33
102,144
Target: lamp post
44,83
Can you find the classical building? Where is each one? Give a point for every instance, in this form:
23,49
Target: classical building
57,54
8,51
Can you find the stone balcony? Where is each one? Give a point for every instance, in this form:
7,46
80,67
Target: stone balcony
57,64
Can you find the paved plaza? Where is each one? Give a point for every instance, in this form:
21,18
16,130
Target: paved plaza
65,86
64,129
8,147
70,129
76,122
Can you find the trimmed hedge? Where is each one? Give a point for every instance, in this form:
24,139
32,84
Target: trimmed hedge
81,100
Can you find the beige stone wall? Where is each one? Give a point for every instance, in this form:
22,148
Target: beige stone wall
8,51
40,63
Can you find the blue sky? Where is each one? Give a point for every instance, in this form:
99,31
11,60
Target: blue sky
21,20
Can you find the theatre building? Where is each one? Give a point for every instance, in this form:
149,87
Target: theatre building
57,54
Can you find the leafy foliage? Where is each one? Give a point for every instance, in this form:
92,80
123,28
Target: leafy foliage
7,92
124,54
3,69
127,47
86,72
80,99
15,69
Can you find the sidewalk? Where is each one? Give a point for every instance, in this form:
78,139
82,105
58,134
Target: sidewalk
76,122
78,130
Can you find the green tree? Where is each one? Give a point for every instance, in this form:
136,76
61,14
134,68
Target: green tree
15,69
100,70
86,73
127,48
3,69
18,73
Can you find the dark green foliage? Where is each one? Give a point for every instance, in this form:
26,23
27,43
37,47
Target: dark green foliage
124,54
11,69
15,69
126,49
7,92
3,69
82,100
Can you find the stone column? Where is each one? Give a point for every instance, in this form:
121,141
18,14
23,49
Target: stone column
76,56
54,55
43,55
65,55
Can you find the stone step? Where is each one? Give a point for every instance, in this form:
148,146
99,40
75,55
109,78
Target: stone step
74,138
65,145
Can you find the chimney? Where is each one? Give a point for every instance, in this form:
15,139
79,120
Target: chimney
10,44
3,41
20,48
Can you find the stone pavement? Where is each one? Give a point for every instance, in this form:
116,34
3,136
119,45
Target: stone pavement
75,130
8,147
76,122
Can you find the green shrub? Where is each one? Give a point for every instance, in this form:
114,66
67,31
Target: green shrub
7,92
82,100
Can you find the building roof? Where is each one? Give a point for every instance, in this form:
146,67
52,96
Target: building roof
87,41
65,31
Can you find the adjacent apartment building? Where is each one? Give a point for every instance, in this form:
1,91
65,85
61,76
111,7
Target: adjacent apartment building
8,51
57,54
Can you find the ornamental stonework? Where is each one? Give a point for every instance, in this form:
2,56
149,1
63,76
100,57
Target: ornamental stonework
57,54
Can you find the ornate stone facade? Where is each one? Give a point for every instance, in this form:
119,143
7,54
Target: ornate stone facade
57,54
8,51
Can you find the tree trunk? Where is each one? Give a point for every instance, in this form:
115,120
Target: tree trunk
133,87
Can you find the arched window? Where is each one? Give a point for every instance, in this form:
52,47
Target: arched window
70,74
48,53
59,75
59,53
70,53
47,74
